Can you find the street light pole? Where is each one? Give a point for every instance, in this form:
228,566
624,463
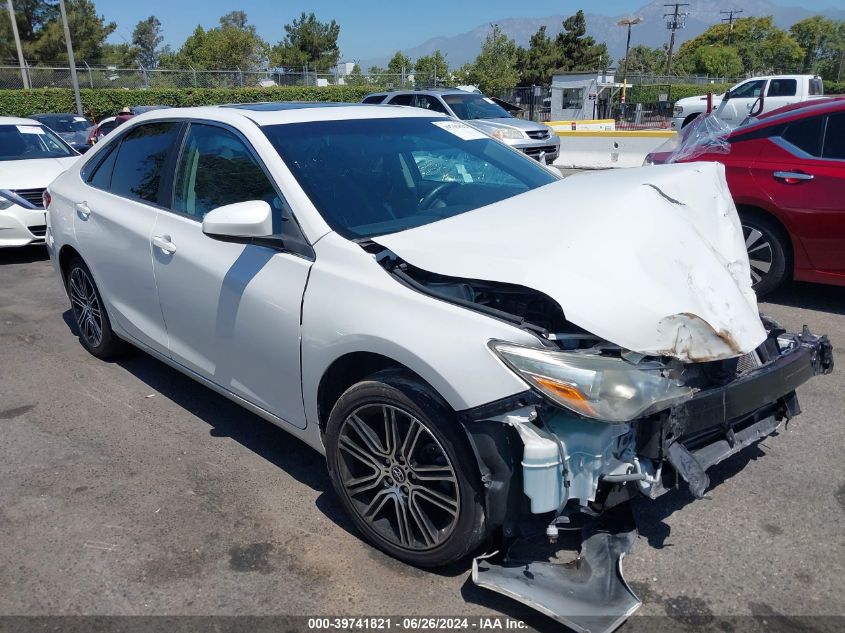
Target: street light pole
24,76
629,24
71,60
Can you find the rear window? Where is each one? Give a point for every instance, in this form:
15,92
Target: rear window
806,135
782,88
834,138
816,86
140,159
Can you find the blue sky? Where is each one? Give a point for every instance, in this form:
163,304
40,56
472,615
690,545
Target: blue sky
368,28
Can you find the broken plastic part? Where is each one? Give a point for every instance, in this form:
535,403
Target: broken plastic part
589,596
707,134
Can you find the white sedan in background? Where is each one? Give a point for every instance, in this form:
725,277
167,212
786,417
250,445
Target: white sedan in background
31,156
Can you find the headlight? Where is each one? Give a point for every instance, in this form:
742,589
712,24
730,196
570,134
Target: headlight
679,109
598,387
508,132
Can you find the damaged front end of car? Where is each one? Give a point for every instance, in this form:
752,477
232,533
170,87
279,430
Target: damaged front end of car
599,426
649,363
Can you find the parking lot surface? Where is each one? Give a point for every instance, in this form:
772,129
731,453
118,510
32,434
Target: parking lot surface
128,488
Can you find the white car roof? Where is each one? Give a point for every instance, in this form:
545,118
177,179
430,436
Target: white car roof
274,113
14,120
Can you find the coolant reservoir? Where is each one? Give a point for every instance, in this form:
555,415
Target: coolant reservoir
541,470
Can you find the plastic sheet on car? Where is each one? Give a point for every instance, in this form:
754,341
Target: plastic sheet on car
707,134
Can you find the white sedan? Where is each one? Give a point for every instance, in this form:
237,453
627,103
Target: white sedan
31,156
481,349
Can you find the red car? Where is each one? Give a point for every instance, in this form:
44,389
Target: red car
786,171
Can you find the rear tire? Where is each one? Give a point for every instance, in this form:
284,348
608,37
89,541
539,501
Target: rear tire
768,252
404,471
89,312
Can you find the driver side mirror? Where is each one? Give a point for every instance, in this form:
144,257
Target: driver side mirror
249,219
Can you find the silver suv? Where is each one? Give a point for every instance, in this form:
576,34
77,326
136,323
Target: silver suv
534,139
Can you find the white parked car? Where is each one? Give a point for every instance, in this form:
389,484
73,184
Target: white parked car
475,344
31,156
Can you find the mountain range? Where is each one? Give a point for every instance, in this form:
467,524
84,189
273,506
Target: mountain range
464,47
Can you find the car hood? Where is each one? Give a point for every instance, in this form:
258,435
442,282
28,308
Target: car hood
652,259
519,124
34,173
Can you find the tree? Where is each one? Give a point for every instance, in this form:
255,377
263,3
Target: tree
232,45
308,42
121,55
717,61
578,51
46,38
494,70
823,43
147,39
762,46
536,63
356,77
431,68
399,64
644,59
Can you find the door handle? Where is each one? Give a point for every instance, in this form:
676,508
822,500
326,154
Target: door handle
163,242
83,209
792,177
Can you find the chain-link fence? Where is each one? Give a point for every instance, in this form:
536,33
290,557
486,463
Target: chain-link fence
114,77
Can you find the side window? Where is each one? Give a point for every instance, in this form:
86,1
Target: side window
401,100
816,86
750,89
101,176
140,158
806,134
373,99
216,169
782,88
428,102
834,137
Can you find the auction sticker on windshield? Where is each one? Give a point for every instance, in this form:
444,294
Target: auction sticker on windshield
29,129
461,130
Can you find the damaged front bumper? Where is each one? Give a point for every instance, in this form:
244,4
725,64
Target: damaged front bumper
542,465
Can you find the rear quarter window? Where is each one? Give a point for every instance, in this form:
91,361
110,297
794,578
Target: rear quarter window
806,134
373,99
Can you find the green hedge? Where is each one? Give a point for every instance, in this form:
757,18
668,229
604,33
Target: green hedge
103,102
834,88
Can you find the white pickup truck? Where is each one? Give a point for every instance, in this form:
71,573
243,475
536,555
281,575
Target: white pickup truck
733,106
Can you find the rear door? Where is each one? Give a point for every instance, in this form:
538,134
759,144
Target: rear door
232,309
780,92
113,221
803,172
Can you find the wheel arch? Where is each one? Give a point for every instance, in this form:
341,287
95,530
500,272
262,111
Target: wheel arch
788,240
66,255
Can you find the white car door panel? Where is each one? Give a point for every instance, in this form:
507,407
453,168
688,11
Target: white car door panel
232,310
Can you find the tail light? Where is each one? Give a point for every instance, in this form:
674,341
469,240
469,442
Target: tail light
46,198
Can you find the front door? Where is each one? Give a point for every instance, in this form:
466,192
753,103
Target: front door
737,104
232,310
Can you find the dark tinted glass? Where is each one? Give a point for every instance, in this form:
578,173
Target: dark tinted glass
374,99
369,177
102,173
782,88
21,142
834,138
475,106
216,169
401,100
428,102
748,90
806,134
140,158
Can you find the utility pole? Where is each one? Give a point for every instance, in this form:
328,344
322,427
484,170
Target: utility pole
730,21
674,21
71,59
24,76
629,23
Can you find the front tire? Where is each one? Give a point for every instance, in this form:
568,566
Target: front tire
768,252
92,320
404,471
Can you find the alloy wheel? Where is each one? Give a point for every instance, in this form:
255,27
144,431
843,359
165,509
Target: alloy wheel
399,478
86,307
760,253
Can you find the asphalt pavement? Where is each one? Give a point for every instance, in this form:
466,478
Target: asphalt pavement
128,489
